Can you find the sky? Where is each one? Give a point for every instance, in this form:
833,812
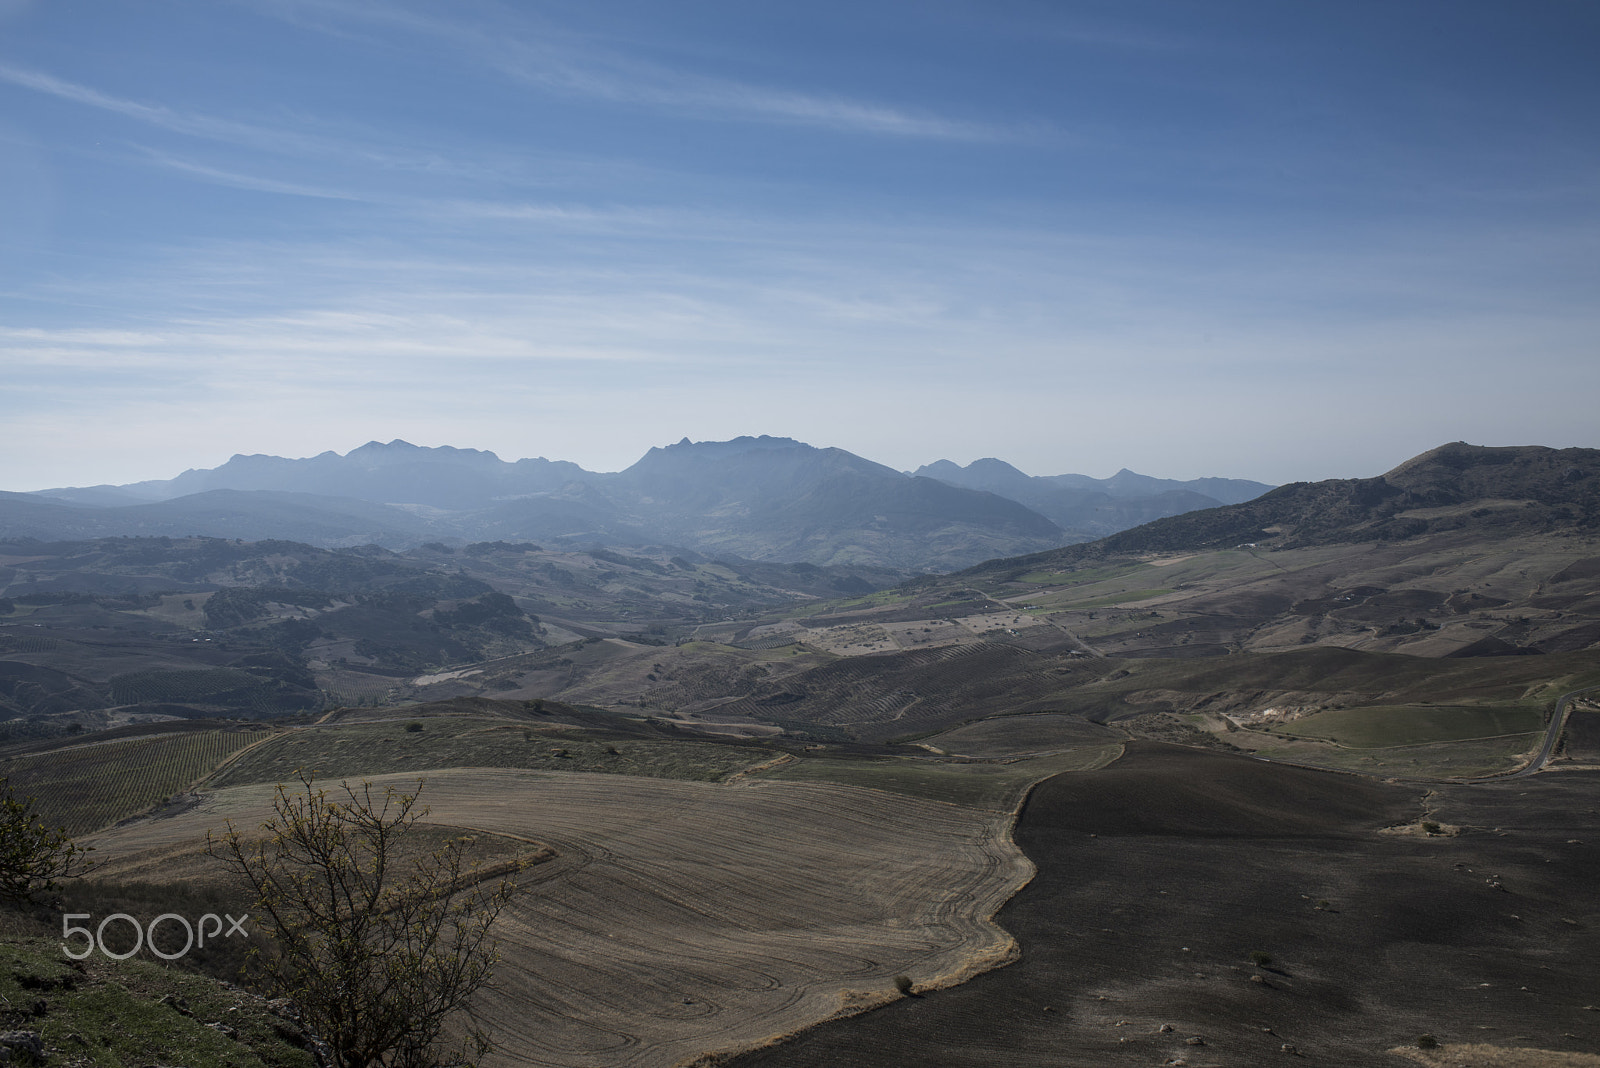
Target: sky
1236,238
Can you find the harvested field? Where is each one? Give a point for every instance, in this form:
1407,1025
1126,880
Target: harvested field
681,918
1191,895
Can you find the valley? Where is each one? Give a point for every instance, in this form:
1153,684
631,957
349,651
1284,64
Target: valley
1090,803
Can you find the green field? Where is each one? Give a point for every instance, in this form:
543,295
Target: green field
991,785
1387,726
354,750
86,787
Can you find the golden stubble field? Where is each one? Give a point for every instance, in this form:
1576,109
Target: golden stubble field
682,919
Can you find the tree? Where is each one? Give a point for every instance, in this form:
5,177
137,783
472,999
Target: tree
376,949
32,856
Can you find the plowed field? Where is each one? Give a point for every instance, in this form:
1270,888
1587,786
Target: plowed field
1206,909
681,918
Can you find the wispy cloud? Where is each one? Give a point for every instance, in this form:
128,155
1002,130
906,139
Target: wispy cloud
565,63
313,140
237,180
195,125
651,85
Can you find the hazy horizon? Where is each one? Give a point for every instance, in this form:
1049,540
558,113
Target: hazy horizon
1243,239
592,470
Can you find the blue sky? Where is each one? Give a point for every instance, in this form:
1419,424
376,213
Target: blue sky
1253,239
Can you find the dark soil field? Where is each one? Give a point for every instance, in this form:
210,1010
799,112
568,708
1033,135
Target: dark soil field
1204,908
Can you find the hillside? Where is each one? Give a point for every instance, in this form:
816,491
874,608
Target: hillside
94,633
1457,488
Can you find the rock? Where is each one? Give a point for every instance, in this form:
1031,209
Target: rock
1194,1040
223,1029
29,1042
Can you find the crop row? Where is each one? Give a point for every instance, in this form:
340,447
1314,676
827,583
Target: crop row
87,787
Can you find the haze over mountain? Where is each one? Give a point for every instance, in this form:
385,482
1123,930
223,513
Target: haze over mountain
761,498
1095,507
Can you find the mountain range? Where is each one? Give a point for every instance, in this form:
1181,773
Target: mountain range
1477,492
759,498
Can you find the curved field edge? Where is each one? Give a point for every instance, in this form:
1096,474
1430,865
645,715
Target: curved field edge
681,920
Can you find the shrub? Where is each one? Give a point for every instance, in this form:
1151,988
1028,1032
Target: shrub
413,727
902,983
1427,1042
1259,958
32,856
378,954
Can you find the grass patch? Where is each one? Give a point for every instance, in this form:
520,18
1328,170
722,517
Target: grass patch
115,1010
989,785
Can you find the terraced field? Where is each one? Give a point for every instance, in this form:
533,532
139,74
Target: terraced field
682,918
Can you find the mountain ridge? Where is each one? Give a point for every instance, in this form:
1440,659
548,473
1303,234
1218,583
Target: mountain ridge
1472,489
757,497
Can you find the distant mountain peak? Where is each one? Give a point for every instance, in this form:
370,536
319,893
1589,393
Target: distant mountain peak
400,450
732,447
